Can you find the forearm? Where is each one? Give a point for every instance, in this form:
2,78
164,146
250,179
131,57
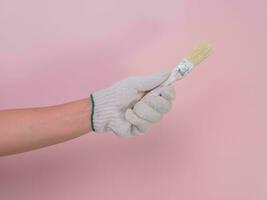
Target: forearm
128,108
27,129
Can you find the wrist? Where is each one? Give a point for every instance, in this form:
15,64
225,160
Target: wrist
102,110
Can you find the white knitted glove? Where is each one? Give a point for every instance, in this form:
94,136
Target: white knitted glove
123,108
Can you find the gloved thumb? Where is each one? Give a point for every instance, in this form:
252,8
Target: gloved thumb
146,83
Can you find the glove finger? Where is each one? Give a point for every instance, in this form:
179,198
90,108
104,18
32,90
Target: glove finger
122,128
168,92
138,123
158,103
136,131
145,83
146,112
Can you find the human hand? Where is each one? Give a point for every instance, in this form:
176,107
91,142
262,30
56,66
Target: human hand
126,109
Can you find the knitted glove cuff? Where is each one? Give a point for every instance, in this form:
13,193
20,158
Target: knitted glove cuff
103,109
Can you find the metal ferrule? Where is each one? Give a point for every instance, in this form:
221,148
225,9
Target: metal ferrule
184,67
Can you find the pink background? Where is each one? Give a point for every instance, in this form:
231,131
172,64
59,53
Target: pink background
212,145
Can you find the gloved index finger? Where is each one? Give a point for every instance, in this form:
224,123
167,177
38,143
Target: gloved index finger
146,83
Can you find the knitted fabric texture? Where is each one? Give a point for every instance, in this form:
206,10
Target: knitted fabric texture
123,109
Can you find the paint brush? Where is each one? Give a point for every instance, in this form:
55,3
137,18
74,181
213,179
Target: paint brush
201,51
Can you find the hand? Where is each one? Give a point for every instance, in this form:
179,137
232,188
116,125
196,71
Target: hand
125,108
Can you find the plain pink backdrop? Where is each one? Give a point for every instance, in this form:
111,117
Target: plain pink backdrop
213,144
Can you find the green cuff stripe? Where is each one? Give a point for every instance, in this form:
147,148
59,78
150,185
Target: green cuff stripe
92,112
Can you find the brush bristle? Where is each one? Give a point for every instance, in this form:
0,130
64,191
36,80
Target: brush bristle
199,53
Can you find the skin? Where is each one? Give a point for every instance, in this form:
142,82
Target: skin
32,128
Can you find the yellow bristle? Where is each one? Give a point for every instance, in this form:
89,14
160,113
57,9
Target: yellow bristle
199,53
